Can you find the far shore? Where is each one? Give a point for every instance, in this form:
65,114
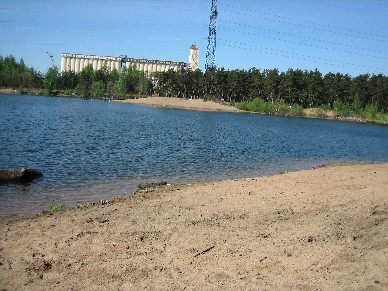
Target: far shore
323,229
181,103
202,105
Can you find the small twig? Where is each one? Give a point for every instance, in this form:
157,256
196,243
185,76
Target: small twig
263,259
204,251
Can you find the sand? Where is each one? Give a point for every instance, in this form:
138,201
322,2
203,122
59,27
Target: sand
199,104
321,229
181,103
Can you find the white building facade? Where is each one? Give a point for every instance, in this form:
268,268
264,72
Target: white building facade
77,62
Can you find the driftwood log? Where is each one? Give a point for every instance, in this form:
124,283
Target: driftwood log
19,175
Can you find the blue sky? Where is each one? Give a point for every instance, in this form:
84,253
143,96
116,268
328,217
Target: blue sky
333,36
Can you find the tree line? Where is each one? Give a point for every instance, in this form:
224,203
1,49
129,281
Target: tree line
17,75
305,88
101,83
87,83
293,87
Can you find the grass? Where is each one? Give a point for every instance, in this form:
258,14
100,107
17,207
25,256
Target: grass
151,185
278,107
55,207
381,118
340,111
350,163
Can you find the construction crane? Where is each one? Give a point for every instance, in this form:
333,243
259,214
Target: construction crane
51,58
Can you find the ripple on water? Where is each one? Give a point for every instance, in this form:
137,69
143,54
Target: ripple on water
91,150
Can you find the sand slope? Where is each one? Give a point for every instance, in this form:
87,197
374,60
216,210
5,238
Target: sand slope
181,103
320,229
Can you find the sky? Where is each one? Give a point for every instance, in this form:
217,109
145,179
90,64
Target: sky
346,36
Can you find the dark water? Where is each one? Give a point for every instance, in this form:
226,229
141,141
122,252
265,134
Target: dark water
90,150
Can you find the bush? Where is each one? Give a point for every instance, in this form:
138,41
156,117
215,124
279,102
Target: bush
382,118
68,93
98,90
342,109
279,107
268,108
370,111
296,110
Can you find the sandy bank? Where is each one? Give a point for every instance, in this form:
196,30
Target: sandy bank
319,229
180,103
7,91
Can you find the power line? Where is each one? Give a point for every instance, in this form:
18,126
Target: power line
297,56
303,37
285,20
348,8
300,43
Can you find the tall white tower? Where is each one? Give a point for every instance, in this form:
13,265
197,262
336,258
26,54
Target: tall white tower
193,57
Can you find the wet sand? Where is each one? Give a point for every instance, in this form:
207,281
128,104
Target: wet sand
320,229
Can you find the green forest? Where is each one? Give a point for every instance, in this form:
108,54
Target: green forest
265,91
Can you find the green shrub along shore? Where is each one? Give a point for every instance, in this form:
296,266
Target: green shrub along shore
340,111
290,93
279,107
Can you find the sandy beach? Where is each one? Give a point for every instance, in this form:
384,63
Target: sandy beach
201,105
181,103
321,229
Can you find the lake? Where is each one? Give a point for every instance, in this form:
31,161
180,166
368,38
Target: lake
89,150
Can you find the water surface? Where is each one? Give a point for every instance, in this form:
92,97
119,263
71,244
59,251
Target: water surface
90,150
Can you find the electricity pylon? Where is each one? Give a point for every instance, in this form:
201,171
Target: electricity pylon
212,41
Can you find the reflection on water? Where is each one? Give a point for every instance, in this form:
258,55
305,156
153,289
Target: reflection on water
90,150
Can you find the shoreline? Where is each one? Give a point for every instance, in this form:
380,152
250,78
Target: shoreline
320,228
207,106
211,106
181,103
130,191
68,205
112,198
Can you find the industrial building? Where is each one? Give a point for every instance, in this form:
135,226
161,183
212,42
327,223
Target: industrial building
77,62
